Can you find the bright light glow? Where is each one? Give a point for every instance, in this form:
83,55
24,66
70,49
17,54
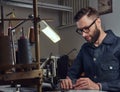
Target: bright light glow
49,32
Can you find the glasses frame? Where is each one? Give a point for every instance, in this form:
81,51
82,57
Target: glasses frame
85,29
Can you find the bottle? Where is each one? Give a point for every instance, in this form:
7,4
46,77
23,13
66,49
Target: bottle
18,88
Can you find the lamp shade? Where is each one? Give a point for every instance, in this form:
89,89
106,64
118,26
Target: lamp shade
49,32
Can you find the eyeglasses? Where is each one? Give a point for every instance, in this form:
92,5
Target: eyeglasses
85,29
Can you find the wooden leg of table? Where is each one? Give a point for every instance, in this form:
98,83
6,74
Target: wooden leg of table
39,86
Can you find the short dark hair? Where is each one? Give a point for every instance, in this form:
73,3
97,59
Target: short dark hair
89,11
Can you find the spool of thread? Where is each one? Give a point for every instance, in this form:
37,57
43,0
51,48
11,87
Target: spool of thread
17,57
5,51
31,36
24,51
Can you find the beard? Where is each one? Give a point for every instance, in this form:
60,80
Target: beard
95,35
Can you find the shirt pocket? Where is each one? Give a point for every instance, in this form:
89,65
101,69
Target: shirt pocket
109,71
109,68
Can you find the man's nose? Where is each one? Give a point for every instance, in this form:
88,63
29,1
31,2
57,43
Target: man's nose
84,34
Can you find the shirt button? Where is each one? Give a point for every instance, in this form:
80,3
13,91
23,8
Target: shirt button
110,67
95,77
94,59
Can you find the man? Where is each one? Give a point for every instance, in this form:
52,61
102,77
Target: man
98,59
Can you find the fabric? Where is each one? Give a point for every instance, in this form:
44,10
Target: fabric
62,66
101,64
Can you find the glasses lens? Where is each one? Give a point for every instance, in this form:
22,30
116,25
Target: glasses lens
79,31
85,29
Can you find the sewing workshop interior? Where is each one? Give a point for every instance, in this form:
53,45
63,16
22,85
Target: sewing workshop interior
39,41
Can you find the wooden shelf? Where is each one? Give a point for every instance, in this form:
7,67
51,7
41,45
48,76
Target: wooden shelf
28,4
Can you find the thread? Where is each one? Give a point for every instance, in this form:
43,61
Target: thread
31,36
5,51
24,51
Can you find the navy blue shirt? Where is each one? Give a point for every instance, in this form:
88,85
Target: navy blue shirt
101,64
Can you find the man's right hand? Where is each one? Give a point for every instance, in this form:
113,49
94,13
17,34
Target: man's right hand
66,83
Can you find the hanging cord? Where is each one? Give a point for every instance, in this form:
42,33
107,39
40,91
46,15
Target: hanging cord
71,51
46,61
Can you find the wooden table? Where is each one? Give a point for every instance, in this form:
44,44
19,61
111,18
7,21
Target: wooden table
77,91
25,76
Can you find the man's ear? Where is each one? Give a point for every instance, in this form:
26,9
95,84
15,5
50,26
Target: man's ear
98,21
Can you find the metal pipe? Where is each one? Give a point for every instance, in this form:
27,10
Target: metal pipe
24,19
2,17
37,45
15,19
37,41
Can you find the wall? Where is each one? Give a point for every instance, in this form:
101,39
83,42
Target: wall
110,20
46,45
72,40
69,38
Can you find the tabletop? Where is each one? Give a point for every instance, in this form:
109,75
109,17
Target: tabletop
77,91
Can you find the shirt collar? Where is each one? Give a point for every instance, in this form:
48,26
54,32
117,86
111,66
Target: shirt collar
110,37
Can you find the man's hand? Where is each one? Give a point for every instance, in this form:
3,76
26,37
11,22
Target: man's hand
66,83
85,83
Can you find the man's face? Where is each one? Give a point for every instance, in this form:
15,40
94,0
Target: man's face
88,29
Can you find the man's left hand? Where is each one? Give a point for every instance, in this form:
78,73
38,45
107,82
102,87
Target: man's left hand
85,83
